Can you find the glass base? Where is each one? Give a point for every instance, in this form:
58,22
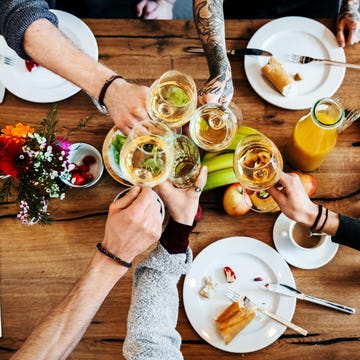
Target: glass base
262,202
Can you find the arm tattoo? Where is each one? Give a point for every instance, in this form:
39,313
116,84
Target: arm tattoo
210,24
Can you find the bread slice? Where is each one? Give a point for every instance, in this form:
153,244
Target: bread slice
278,76
232,320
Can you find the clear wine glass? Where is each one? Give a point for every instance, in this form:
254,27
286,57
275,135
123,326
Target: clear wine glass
147,156
258,165
187,162
213,126
172,99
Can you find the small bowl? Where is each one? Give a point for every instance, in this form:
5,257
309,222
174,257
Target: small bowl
78,152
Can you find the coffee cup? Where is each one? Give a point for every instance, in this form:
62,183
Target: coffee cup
158,198
302,237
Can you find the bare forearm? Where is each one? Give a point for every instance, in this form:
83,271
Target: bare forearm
58,334
49,47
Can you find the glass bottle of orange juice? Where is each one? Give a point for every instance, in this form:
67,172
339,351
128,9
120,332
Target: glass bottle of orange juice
314,135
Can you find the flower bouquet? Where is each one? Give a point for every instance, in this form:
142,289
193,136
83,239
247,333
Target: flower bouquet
31,163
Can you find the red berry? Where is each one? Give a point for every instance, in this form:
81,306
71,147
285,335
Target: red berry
30,65
77,179
87,177
84,168
75,168
88,160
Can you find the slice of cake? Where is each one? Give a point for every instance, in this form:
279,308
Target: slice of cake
232,320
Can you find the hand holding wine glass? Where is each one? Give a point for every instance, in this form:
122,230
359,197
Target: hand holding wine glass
147,156
258,166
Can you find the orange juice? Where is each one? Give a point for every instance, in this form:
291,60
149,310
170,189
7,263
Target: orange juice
315,135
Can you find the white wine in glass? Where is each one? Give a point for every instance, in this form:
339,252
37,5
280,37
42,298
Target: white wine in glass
172,99
147,155
258,166
213,126
187,162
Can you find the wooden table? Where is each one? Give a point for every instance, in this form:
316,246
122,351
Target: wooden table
40,264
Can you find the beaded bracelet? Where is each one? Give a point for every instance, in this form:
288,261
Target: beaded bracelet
107,83
317,218
112,256
326,217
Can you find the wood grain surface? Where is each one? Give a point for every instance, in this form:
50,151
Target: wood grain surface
38,265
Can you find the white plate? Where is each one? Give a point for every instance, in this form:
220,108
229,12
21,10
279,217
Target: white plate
301,36
112,166
299,258
249,258
41,85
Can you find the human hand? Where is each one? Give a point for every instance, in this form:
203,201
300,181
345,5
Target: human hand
155,9
348,24
134,223
292,199
217,89
182,204
126,104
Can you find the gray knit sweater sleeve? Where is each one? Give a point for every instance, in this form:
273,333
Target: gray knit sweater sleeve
17,15
153,314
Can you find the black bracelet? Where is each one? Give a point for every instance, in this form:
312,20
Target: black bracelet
107,83
112,256
326,217
317,218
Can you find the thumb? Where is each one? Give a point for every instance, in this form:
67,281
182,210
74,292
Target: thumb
340,34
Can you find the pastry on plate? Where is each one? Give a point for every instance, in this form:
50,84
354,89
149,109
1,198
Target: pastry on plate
232,320
277,75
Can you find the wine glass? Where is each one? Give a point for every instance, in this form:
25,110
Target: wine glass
258,166
147,155
172,99
213,126
187,162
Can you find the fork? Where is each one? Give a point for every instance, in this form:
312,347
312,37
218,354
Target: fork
301,59
245,301
352,112
5,60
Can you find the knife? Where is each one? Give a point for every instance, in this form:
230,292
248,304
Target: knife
245,51
290,291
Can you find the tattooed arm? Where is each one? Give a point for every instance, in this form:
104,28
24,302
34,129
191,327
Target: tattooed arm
210,25
348,23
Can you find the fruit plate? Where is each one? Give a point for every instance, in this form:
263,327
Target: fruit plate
255,264
109,156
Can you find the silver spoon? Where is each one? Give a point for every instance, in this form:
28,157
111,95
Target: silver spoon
316,234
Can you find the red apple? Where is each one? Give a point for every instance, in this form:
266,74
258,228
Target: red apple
308,182
236,202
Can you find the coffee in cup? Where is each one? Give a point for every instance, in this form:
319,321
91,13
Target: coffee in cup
301,236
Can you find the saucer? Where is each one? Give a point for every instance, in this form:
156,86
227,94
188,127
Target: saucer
302,259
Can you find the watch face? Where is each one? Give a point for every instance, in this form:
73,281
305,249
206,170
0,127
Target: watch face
102,108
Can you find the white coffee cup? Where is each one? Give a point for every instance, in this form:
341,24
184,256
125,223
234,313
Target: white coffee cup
162,206
300,235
